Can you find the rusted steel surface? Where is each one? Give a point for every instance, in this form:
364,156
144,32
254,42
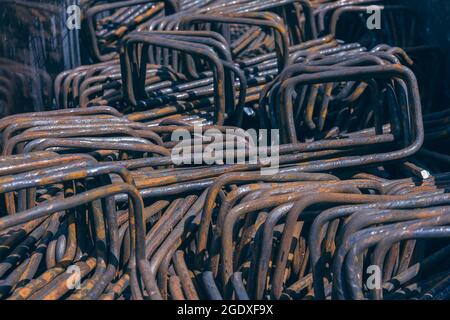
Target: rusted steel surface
92,189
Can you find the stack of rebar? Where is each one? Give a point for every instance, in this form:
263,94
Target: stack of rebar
94,204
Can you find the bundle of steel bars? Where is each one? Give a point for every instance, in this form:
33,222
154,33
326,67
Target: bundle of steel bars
95,206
